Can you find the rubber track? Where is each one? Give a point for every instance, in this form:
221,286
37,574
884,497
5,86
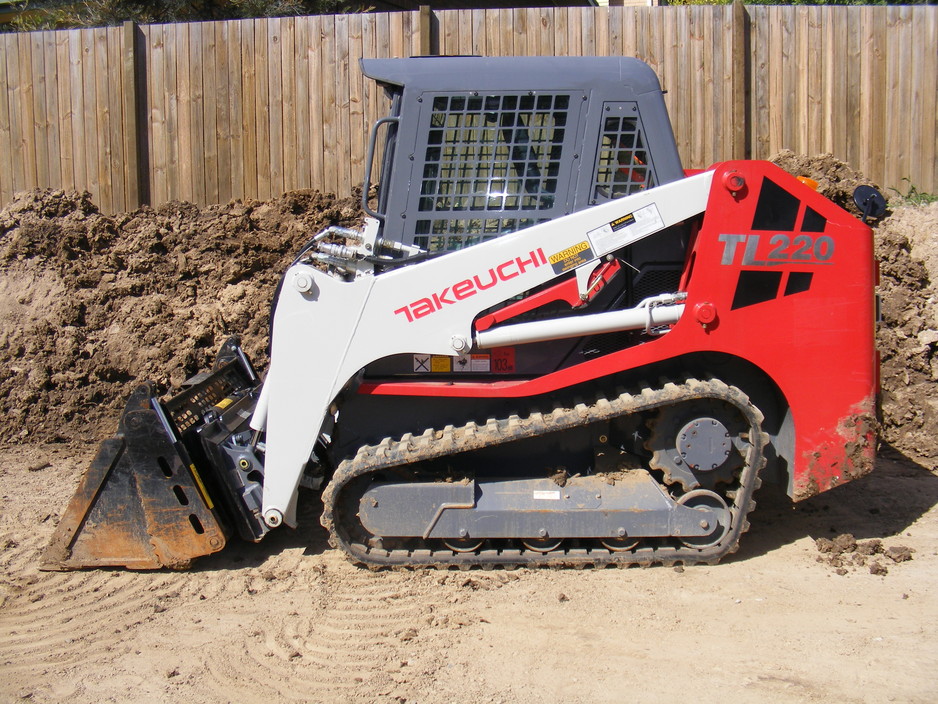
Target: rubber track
435,443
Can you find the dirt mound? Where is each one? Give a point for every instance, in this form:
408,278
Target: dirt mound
90,303
836,180
907,248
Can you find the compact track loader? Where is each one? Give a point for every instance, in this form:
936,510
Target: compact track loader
549,345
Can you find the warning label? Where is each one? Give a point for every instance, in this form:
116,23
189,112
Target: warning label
478,363
626,229
501,359
571,257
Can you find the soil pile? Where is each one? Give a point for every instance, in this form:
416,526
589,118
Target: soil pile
836,180
90,304
907,248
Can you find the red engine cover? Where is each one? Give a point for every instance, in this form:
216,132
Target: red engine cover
778,276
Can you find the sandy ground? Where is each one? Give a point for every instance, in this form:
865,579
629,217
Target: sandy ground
290,620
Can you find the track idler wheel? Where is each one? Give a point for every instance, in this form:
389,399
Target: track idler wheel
702,498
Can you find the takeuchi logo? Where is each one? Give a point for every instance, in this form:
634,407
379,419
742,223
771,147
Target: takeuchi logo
466,288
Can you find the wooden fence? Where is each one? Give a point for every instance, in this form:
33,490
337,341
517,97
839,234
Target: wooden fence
207,112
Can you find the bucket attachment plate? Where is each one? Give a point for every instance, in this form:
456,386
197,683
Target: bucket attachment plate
141,504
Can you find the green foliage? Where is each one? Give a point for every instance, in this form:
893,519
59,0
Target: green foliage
912,195
65,14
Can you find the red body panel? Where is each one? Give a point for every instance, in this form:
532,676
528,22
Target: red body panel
797,302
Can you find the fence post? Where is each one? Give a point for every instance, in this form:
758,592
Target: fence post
136,178
742,77
429,42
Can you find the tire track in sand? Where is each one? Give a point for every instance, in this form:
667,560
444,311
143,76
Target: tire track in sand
58,618
346,637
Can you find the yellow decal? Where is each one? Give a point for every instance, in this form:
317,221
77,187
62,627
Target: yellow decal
198,481
568,252
441,364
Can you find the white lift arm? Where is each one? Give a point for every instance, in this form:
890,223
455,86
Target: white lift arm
326,329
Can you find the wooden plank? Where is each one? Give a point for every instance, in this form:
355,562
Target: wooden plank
51,101
850,35
330,130
6,149
601,29
872,118
343,102
531,31
262,110
115,89
815,128
28,107
63,86
156,113
904,155
212,98
504,19
425,23
196,158
738,108
174,134
288,89
249,109
105,192
236,110
924,165
396,33
447,32
697,68
182,98
464,34
224,73
726,145
301,86
615,28
89,104
316,99
17,152
785,57
275,135
479,33
374,105
411,40
896,118
629,19
358,128
130,117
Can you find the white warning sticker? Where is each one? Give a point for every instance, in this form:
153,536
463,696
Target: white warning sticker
472,363
626,230
547,495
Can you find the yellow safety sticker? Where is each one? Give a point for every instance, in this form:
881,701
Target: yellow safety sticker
571,257
198,480
439,363
224,403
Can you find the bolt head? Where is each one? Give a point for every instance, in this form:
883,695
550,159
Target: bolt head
303,282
